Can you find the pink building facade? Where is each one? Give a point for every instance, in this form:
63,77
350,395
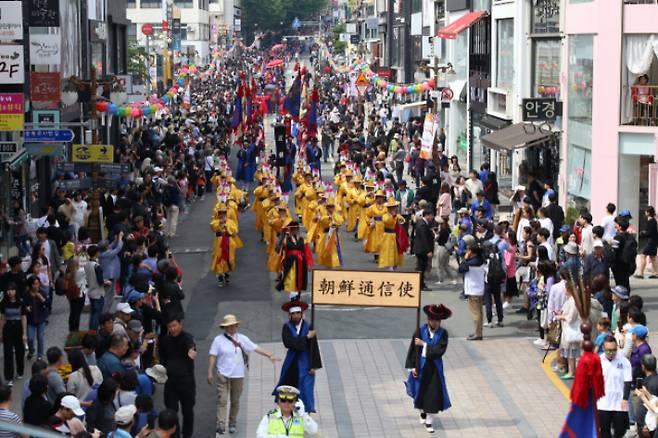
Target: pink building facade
611,119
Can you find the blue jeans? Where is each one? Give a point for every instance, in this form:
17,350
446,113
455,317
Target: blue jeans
37,330
96,308
23,245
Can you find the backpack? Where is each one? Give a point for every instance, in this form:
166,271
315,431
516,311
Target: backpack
495,273
629,252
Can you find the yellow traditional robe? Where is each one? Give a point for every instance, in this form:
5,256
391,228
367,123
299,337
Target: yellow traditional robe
327,246
374,215
365,201
388,249
353,208
218,265
276,225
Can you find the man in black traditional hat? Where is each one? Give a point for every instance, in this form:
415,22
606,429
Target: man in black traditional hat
426,383
303,357
297,260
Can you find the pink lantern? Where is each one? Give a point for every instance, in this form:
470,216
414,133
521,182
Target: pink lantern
136,112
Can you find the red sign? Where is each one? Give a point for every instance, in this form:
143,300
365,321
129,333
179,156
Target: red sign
12,111
165,26
45,87
147,29
384,73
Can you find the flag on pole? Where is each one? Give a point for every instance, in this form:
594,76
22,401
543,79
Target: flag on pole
236,119
312,117
293,98
303,102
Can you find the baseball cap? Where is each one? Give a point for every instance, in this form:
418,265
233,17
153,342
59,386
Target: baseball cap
135,325
125,414
135,296
124,308
571,248
626,213
564,228
620,291
640,331
71,402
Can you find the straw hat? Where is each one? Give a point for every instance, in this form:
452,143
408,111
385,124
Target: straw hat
229,320
392,203
380,193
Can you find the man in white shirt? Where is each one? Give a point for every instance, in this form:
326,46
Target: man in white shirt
227,358
608,223
474,185
586,236
617,377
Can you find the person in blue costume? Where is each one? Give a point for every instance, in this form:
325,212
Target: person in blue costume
426,383
303,357
250,165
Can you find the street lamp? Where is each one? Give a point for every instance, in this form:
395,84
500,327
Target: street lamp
92,85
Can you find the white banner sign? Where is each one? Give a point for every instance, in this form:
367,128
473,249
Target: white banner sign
429,132
12,64
11,21
45,50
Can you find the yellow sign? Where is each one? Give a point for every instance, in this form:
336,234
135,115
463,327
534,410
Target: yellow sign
366,288
92,153
12,122
361,80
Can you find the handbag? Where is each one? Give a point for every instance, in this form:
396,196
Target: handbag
572,334
554,332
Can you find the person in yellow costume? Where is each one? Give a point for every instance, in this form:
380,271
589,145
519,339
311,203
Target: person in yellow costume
304,194
374,214
268,204
310,196
352,207
365,200
278,219
389,254
318,206
328,242
342,189
224,246
260,194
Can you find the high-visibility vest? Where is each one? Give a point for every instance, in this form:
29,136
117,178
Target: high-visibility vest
276,426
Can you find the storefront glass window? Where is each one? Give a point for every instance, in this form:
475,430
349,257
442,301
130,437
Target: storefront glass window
580,83
546,78
505,57
460,55
546,16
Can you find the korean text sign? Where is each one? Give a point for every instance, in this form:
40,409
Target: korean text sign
366,288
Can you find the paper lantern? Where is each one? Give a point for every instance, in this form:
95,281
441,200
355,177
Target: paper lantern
146,110
431,83
541,90
136,112
112,108
153,107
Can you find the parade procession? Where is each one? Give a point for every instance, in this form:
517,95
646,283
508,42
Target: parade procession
328,218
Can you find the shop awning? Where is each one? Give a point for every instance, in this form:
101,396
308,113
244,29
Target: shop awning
412,105
461,24
515,136
493,123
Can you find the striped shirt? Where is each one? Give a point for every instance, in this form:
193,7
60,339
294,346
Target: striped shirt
7,416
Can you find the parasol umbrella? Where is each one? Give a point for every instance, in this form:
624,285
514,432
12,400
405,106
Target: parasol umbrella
274,63
276,47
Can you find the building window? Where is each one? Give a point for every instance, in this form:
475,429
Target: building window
546,16
460,55
505,55
150,4
581,67
132,32
546,75
131,4
184,3
481,5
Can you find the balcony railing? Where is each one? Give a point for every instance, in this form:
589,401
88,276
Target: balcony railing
644,101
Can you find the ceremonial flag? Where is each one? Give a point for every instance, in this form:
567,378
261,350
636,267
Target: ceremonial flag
246,98
293,98
312,117
236,119
303,101
588,387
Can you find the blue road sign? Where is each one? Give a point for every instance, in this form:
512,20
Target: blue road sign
47,135
296,24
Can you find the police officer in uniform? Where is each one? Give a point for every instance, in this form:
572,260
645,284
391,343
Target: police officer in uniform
289,419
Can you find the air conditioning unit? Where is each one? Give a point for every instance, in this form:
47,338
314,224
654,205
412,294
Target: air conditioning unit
500,103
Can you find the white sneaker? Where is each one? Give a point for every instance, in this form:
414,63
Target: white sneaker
539,342
454,282
505,305
438,283
429,428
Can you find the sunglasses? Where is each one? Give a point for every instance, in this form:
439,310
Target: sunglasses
610,350
287,398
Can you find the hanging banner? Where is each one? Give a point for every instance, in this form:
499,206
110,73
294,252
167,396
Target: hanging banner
45,50
12,64
43,13
44,87
427,141
12,111
11,21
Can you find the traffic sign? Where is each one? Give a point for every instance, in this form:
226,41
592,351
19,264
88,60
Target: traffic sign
147,29
47,136
92,153
362,83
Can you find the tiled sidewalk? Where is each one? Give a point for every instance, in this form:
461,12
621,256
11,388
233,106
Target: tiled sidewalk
497,388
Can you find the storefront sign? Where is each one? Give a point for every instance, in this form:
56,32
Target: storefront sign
47,136
45,149
43,13
45,118
541,109
45,50
429,132
92,153
12,111
44,87
366,288
7,150
11,21
12,69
